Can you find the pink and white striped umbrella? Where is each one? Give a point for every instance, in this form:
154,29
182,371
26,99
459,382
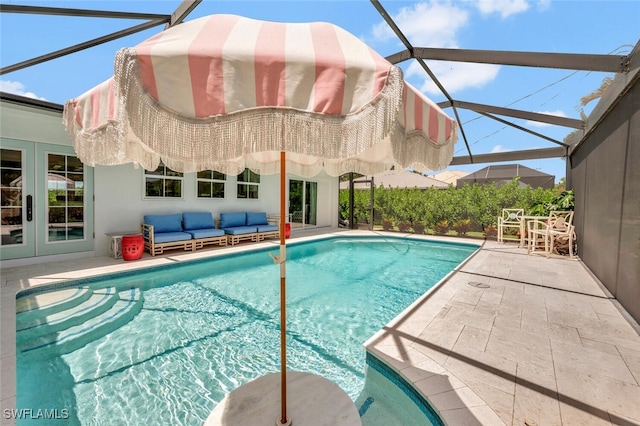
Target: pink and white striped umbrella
225,92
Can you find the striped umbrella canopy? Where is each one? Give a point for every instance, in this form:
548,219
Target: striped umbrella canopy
225,92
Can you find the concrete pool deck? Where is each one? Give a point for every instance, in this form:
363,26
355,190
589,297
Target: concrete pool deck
507,338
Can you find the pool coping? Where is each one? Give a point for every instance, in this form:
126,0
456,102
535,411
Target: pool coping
13,286
220,254
477,410
401,343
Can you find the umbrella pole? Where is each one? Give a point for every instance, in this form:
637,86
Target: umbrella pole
283,289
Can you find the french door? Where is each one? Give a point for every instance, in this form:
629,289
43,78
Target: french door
47,200
303,203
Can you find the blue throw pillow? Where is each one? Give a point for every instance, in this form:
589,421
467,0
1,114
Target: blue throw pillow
197,220
230,220
257,219
164,222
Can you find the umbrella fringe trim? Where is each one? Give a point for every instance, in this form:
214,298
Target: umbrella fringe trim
414,150
107,145
237,137
176,138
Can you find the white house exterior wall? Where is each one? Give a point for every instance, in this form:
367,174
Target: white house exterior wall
32,124
120,203
119,190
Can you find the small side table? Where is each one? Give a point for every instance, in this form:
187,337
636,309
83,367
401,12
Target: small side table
115,242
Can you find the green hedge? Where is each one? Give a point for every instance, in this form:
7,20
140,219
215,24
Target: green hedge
480,205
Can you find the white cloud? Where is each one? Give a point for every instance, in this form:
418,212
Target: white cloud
531,123
427,24
436,24
454,76
503,7
17,88
498,148
544,5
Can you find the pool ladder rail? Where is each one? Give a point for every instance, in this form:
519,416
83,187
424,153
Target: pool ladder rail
57,323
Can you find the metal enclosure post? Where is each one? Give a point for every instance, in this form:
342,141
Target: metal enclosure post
372,187
351,201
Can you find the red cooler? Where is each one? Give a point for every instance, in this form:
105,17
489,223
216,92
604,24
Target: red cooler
132,247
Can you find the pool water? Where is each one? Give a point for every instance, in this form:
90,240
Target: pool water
204,328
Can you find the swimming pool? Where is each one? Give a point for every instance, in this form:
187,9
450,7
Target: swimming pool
187,335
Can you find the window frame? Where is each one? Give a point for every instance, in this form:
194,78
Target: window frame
212,180
250,183
164,176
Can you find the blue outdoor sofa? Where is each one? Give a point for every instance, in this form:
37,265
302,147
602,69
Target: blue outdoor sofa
189,231
251,226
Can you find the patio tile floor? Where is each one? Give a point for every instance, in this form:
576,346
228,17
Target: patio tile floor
508,338
544,344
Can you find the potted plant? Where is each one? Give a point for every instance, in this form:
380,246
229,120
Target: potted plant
442,227
490,232
418,227
404,225
462,226
387,224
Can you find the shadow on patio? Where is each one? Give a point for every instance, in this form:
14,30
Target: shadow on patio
532,340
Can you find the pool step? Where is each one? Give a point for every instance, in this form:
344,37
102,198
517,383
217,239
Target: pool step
42,304
32,326
126,305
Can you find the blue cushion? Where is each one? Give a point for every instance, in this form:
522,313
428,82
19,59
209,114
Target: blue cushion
197,220
240,230
164,222
169,237
257,219
206,233
229,220
267,228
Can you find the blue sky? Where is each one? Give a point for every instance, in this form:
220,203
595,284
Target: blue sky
592,27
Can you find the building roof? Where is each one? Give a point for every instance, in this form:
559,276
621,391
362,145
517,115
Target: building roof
503,174
397,179
450,176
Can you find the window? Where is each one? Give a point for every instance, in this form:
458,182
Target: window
248,184
211,184
162,183
65,186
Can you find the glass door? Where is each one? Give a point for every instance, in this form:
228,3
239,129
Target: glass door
47,201
303,196
17,226
311,203
65,209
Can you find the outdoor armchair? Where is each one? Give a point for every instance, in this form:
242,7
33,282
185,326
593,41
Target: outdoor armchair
538,235
558,219
296,217
557,227
561,229
510,218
